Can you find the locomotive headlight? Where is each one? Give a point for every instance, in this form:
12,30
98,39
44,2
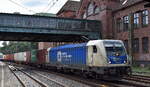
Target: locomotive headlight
109,62
124,61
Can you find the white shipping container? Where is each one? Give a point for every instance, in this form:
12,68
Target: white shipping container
20,56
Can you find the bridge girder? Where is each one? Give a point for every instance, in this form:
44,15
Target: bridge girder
17,27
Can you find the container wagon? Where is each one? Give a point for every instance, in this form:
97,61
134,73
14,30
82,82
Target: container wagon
1,56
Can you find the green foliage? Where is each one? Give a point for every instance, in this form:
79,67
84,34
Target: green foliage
141,69
14,47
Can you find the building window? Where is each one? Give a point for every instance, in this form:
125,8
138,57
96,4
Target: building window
136,20
136,45
125,23
145,18
90,9
96,10
126,45
119,24
145,45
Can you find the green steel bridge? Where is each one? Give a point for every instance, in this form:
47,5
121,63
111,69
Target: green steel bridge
18,27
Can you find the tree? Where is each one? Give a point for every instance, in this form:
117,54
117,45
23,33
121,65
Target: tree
4,43
14,47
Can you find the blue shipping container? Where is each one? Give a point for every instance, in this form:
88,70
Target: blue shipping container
73,54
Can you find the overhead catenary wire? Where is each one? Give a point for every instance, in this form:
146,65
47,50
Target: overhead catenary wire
22,6
53,4
49,3
125,1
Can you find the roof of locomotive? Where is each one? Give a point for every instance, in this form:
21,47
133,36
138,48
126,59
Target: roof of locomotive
94,42
69,46
91,42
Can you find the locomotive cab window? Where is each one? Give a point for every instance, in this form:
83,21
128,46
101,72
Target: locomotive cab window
94,49
114,49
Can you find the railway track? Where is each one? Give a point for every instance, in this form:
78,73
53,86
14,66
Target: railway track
90,82
131,81
104,83
48,81
25,79
55,81
80,80
47,75
139,79
142,76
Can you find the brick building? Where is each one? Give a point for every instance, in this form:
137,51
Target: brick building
114,15
141,41
99,10
69,9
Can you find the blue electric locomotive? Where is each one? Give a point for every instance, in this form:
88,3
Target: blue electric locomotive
94,58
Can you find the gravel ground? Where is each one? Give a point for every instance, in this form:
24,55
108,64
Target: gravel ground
49,83
66,81
26,80
9,78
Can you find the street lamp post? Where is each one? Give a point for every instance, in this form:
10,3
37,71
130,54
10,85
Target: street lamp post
131,36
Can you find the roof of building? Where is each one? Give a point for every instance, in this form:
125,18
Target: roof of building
70,6
46,14
127,4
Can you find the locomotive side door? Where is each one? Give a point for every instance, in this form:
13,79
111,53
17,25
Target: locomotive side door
90,56
92,50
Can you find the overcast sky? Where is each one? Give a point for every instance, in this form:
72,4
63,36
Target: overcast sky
31,6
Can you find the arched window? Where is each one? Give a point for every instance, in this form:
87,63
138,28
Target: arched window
90,9
96,10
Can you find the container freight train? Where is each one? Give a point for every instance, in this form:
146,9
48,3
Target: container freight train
1,56
97,58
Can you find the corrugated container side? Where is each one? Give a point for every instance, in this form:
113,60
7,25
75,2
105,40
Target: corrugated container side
41,56
47,57
5,57
20,56
11,57
33,56
71,55
28,56
1,56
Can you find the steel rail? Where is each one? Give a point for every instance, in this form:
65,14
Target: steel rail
21,82
31,77
138,79
142,76
59,83
93,83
